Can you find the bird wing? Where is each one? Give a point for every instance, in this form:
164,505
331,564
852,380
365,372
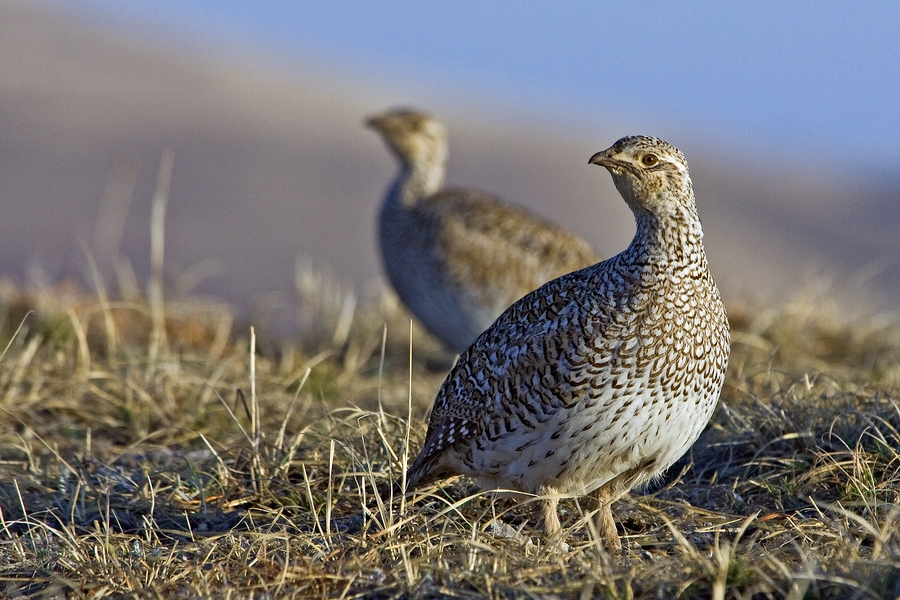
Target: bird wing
524,343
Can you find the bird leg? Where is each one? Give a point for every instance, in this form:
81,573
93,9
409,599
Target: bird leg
602,499
549,516
552,529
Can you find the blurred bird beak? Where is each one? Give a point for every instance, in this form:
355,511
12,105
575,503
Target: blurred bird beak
373,122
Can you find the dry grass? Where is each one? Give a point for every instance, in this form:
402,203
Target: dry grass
130,466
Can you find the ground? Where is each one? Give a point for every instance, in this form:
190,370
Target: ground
146,452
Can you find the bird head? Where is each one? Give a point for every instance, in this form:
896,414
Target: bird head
652,175
416,138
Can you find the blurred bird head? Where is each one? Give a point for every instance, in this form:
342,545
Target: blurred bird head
416,138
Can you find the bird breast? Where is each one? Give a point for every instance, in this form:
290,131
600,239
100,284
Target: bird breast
615,388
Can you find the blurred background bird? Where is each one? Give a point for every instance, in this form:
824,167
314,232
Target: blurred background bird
458,258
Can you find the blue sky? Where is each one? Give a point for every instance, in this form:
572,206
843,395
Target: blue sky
818,81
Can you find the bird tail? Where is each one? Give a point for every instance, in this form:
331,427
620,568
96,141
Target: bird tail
397,488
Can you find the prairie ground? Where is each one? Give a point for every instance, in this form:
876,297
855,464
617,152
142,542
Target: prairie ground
146,452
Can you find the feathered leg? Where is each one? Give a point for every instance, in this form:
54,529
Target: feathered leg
602,499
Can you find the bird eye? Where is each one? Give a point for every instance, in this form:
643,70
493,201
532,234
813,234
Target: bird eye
649,160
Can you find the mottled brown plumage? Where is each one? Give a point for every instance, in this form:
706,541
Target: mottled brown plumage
459,258
597,381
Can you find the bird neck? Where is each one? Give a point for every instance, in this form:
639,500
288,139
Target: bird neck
673,238
418,178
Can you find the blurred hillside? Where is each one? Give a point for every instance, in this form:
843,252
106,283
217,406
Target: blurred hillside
274,164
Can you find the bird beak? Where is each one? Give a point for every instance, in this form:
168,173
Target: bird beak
603,159
373,123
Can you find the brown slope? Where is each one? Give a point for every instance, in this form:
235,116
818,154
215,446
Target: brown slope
272,165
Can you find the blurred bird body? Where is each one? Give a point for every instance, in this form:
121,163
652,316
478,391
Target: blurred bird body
459,258
599,380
